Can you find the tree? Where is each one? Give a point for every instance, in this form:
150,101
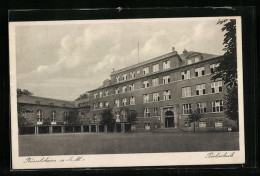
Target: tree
22,121
195,116
227,69
107,118
83,96
72,117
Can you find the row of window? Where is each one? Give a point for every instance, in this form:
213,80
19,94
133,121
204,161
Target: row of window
155,81
217,106
216,87
101,105
39,115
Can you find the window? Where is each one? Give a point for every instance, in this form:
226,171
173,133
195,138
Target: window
95,106
213,66
185,74
39,115
106,92
166,79
200,89
65,114
155,111
95,117
217,106
124,77
197,59
147,126
216,87
189,61
95,95
156,96
186,108
155,82
117,90
124,102
53,116
117,103
186,92
100,105
117,116
145,70
123,113
147,112
124,89
166,64
100,94
132,100
146,98
201,107
106,104
166,95
117,78
132,74
155,67
146,84
131,87
199,71
132,127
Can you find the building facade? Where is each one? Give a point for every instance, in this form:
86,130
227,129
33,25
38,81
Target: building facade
163,91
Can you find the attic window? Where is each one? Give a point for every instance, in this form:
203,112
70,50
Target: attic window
197,59
37,102
189,61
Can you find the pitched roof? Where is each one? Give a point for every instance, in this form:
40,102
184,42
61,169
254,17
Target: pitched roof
205,56
44,101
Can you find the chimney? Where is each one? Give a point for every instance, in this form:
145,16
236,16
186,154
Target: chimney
185,51
173,49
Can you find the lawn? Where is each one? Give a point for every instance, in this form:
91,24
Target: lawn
111,143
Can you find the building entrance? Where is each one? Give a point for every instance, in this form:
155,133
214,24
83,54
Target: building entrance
169,119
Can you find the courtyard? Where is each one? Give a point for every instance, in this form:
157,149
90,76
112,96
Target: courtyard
119,143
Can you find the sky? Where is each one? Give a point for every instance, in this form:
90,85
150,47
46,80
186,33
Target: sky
64,60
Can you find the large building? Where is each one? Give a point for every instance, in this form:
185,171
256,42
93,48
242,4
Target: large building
163,91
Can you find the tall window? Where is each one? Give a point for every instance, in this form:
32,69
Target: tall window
201,107
156,96
117,78
132,74
124,102
100,94
132,100
117,103
186,92
200,89
117,90
106,104
53,116
155,67
124,89
217,106
95,117
146,84
186,108
166,95
216,87
197,59
155,82
95,95
147,112
146,98
124,77
145,70
123,113
106,92
117,116
199,71
155,111
213,66
185,74
100,105
166,79
39,115
65,114
131,87
166,64
95,106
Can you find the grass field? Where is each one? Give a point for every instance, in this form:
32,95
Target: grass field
111,143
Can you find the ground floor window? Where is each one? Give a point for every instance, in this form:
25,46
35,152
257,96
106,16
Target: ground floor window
132,127
202,124
147,126
155,125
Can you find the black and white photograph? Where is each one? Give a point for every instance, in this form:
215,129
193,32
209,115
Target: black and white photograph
126,92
